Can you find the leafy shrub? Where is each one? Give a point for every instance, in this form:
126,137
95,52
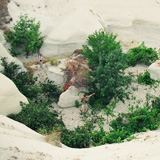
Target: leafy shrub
24,82
82,137
37,115
156,103
77,103
145,79
137,120
141,54
78,138
97,136
50,90
108,63
25,36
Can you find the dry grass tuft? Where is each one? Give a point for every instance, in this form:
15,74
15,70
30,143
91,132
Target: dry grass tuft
54,138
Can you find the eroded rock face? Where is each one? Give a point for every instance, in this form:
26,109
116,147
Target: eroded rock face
9,58
67,24
20,142
56,74
67,98
10,97
154,70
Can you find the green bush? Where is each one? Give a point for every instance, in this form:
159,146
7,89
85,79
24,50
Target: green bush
25,36
145,79
37,116
108,63
78,138
50,90
97,136
77,103
156,103
141,54
137,120
24,82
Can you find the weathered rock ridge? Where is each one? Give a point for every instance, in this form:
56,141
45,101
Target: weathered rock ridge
20,142
67,23
10,97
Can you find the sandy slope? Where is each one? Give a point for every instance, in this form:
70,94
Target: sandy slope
21,143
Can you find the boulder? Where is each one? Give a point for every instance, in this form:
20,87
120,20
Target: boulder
56,74
67,98
154,70
10,97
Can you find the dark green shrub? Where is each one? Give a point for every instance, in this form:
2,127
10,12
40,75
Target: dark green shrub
114,136
9,70
97,136
137,121
24,82
25,36
37,115
125,125
77,103
145,79
50,90
105,58
156,103
78,138
141,54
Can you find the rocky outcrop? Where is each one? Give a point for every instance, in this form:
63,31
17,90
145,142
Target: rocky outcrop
67,24
75,79
56,74
154,70
67,99
9,58
10,97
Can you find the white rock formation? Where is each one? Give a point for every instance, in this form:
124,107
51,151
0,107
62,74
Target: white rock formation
67,98
56,74
20,142
2,40
154,70
67,23
4,53
10,97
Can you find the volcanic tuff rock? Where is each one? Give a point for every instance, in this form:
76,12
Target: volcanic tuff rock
10,97
67,23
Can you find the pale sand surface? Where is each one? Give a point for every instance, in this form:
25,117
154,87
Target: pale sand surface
20,142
